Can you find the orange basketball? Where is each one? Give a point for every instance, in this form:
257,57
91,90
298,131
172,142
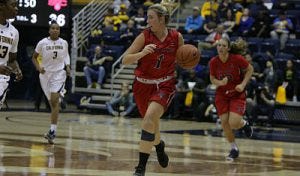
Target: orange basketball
187,56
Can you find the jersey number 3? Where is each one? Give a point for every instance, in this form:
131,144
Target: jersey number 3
54,55
3,51
159,61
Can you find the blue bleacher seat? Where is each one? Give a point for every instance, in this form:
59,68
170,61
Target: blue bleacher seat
292,46
254,43
111,37
271,45
284,56
206,55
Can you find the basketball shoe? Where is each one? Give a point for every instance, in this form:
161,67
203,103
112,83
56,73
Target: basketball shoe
50,136
233,154
162,157
247,129
139,171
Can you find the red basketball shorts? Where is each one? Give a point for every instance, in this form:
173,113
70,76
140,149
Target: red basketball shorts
230,104
161,93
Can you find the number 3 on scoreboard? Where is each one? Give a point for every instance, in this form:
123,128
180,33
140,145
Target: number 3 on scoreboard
159,61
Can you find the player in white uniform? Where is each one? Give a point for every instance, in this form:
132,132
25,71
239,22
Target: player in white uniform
55,57
9,38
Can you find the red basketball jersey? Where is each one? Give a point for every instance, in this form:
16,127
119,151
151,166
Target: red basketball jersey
161,63
232,69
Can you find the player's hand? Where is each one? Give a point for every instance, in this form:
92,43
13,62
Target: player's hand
240,87
224,81
42,70
5,70
68,70
149,49
19,75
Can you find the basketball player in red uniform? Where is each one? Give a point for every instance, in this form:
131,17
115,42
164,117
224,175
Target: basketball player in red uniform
154,50
230,73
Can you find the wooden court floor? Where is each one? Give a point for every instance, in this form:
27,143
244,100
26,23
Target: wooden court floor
98,145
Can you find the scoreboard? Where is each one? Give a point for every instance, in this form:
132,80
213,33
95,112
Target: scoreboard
42,12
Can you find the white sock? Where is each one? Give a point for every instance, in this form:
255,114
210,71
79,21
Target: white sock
53,127
234,146
245,122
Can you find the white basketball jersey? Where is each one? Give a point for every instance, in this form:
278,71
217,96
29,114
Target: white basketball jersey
9,38
54,53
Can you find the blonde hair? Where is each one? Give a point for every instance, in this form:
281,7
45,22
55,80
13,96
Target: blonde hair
161,11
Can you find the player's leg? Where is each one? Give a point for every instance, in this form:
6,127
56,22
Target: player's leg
159,144
234,152
3,90
153,114
236,121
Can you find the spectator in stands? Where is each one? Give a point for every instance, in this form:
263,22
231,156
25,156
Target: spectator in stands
228,22
261,25
238,11
212,39
209,9
265,104
193,23
111,21
222,11
123,16
282,26
122,102
209,26
270,76
96,67
169,4
254,78
140,19
117,5
128,34
290,79
148,3
186,83
245,24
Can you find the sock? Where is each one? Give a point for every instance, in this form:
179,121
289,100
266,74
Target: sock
234,146
244,123
159,147
143,159
53,127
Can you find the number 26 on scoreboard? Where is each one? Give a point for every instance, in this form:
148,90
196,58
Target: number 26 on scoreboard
60,19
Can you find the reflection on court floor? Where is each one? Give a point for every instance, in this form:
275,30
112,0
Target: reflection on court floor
102,145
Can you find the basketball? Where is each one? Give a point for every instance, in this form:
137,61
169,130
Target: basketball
187,56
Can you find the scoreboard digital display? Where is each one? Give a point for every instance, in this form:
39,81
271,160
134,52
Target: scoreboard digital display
42,12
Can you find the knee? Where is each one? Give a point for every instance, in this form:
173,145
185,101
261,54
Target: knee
85,68
225,124
234,124
101,68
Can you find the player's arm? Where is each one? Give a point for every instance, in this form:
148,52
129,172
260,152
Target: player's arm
36,63
136,50
217,82
67,60
12,62
248,73
180,40
212,77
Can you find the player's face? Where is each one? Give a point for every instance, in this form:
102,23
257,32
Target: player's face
54,31
10,9
222,47
154,21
